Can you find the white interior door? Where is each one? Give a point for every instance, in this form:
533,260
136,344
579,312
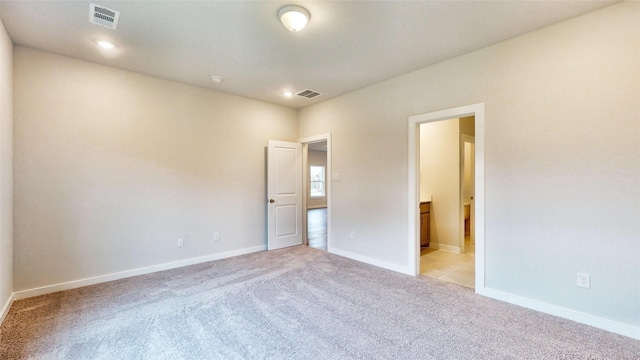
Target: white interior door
284,192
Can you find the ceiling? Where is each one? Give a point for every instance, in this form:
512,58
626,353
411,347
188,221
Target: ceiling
347,45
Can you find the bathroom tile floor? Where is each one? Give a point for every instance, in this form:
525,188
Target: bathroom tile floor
451,267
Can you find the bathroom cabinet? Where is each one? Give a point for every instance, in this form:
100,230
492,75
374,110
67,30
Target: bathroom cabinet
425,224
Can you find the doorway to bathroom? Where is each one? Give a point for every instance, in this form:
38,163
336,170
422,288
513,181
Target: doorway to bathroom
440,192
447,250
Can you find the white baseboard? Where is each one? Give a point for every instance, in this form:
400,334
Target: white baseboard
449,248
316,207
601,323
6,307
587,319
23,294
372,261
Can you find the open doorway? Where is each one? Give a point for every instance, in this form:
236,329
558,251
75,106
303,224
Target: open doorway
446,190
317,195
317,201
453,244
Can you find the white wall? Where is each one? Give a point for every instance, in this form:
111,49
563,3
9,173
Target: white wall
112,167
440,177
6,168
562,143
316,158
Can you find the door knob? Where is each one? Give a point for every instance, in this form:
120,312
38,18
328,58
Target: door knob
271,201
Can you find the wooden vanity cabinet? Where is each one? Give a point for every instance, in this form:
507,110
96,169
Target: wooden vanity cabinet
425,224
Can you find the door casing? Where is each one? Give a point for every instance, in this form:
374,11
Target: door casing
476,110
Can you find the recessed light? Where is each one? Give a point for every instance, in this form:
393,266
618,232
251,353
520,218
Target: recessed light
105,44
216,79
287,93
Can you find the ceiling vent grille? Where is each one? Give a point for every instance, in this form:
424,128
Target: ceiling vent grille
102,16
309,94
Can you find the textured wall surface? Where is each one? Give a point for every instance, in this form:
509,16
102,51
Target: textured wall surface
112,167
562,143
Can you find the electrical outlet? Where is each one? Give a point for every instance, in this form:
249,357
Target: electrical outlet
216,236
180,242
352,236
584,280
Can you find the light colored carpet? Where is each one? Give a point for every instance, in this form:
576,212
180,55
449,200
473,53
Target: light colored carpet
296,303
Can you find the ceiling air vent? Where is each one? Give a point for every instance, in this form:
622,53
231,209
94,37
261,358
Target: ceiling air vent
309,94
102,16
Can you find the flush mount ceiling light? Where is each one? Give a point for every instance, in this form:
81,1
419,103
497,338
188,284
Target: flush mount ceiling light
294,17
216,79
287,93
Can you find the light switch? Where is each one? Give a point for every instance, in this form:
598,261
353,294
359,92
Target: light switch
335,177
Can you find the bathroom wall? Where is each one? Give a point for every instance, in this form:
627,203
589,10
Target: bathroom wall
439,176
467,127
440,156
467,178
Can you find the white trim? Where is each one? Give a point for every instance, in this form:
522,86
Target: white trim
448,248
371,261
328,175
316,207
414,198
23,294
476,110
414,253
6,307
305,190
583,318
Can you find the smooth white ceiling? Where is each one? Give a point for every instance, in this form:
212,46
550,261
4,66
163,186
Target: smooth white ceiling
347,45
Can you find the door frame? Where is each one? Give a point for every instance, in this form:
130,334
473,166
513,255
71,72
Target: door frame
305,182
476,110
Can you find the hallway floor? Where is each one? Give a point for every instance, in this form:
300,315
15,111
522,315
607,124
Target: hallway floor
450,267
317,228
